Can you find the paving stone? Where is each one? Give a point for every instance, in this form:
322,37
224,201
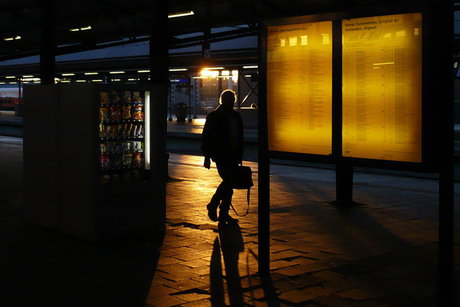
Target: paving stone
333,300
161,290
192,297
356,294
201,303
164,301
292,271
296,296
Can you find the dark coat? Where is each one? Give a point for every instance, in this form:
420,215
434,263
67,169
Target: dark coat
222,138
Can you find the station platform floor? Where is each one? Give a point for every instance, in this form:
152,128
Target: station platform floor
382,252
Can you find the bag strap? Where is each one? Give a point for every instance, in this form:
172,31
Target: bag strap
247,211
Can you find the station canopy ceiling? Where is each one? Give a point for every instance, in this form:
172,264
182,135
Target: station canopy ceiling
116,22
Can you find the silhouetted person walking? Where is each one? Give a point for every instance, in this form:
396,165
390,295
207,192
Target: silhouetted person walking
222,141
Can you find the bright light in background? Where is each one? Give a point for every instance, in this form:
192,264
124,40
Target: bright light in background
209,73
80,29
7,39
147,130
181,14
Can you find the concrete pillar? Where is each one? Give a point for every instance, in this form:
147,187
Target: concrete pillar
48,48
159,85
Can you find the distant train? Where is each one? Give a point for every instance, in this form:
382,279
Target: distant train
8,103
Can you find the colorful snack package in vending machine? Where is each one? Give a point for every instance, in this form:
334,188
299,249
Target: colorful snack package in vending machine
137,97
103,147
104,97
137,160
108,131
105,161
136,146
111,147
115,113
140,131
105,178
127,146
116,162
138,114
103,114
101,130
119,131
130,128
113,133
126,112
127,159
118,147
115,97
127,97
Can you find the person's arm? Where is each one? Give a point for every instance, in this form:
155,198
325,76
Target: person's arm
205,143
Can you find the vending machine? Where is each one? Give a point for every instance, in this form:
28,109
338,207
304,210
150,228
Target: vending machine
87,160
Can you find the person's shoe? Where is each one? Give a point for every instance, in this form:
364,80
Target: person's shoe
226,218
212,212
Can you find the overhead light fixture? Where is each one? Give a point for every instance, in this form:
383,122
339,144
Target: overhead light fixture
143,71
6,39
68,75
178,69
213,68
181,14
116,72
10,77
249,67
80,29
91,73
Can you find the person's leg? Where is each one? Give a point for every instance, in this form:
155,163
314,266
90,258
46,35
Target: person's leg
227,173
223,193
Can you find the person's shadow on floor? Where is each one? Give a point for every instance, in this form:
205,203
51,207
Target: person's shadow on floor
231,244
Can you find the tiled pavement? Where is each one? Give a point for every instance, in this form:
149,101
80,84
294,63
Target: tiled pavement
382,252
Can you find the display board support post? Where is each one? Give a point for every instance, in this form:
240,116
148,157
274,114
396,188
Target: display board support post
344,184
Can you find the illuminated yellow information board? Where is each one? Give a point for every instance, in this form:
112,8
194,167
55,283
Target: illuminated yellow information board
299,88
382,87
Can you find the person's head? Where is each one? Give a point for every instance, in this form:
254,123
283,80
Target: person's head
227,99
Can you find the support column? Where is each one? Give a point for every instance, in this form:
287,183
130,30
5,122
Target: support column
264,168
48,48
159,80
443,84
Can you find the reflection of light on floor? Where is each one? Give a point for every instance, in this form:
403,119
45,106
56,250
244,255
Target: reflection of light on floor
199,121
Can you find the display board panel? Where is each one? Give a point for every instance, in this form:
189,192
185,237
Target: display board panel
382,87
299,88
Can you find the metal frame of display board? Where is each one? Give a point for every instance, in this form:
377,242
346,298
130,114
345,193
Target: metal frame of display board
437,122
